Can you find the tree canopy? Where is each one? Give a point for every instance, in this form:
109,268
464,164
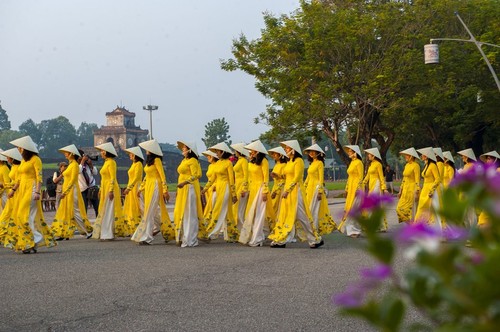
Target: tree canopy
357,66
216,131
4,120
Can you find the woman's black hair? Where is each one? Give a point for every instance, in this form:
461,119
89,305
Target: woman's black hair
150,158
429,160
225,155
138,159
109,155
15,162
296,155
28,154
438,158
257,160
283,159
319,156
191,154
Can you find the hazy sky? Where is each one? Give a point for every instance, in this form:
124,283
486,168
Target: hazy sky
81,59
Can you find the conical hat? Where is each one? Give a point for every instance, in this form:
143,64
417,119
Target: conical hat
2,157
108,147
152,146
448,156
493,154
354,148
294,144
209,153
375,152
12,153
428,152
26,143
136,151
438,152
315,147
190,145
469,153
256,146
410,152
222,146
278,150
71,149
240,147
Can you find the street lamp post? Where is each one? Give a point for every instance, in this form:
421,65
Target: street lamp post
431,51
150,109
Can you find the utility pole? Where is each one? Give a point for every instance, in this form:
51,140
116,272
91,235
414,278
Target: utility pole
150,109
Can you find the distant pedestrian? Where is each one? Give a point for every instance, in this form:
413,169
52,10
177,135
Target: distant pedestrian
58,180
389,178
87,182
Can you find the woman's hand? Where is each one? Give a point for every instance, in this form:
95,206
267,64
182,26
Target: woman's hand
36,196
111,196
166,196
285,194
264,197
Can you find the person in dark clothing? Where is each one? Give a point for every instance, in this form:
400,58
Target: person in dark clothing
389,178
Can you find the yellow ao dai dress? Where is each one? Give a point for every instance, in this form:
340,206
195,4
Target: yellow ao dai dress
375,181
133,204
241,185
410,185
71,214
314,185
355,173
4,179
431,183
278,185
8,229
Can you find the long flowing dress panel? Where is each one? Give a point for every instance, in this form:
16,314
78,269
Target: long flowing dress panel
449,173
71,214
8,229
471,217
483,219
241,185
259,213
155,217
431,183
4,179
133,204
355,173
188,211
209,198
293,208
27,214
221,218
375,181
320,211
109,223
406,207
277,190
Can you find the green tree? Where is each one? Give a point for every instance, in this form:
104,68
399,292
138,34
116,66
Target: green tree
216,131
6,136
4,119
56,133
29,127
85,134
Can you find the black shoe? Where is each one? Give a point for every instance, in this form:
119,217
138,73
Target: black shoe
34,250
276,245
144,243
317,245
27,251
89,235
60,239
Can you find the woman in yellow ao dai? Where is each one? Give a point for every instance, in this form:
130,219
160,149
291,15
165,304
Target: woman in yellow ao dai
355,173
431,183
315,193
155,192
374,179
294,216
491,157
109,222
240,183
8,230
208,194
468,158
133,205
220,216
188,211
449,168
4,179
259,210
280,160
32,231
71,214
409,190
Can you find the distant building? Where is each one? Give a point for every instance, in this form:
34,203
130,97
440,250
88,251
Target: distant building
120,129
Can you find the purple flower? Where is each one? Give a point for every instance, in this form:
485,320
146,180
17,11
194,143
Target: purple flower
377,273
455,233
351,298
476,257
412,232
485,175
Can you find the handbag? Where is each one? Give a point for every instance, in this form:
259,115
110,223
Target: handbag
93,193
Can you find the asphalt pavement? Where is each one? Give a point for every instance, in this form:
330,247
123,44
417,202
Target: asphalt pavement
88,285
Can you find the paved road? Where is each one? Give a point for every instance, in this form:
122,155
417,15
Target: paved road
84,285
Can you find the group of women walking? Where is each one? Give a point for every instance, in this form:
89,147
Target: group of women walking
236,203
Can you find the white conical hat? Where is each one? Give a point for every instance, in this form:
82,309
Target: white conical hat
315,147
108,147
222,146
493,154
354,148
209,153
411,152
190,145
294,144
13,153
71,149
152,146
438,152
136,151
256,146
469,153
448,156
26,143
428,152
375,152
240,147
279,150
2,157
